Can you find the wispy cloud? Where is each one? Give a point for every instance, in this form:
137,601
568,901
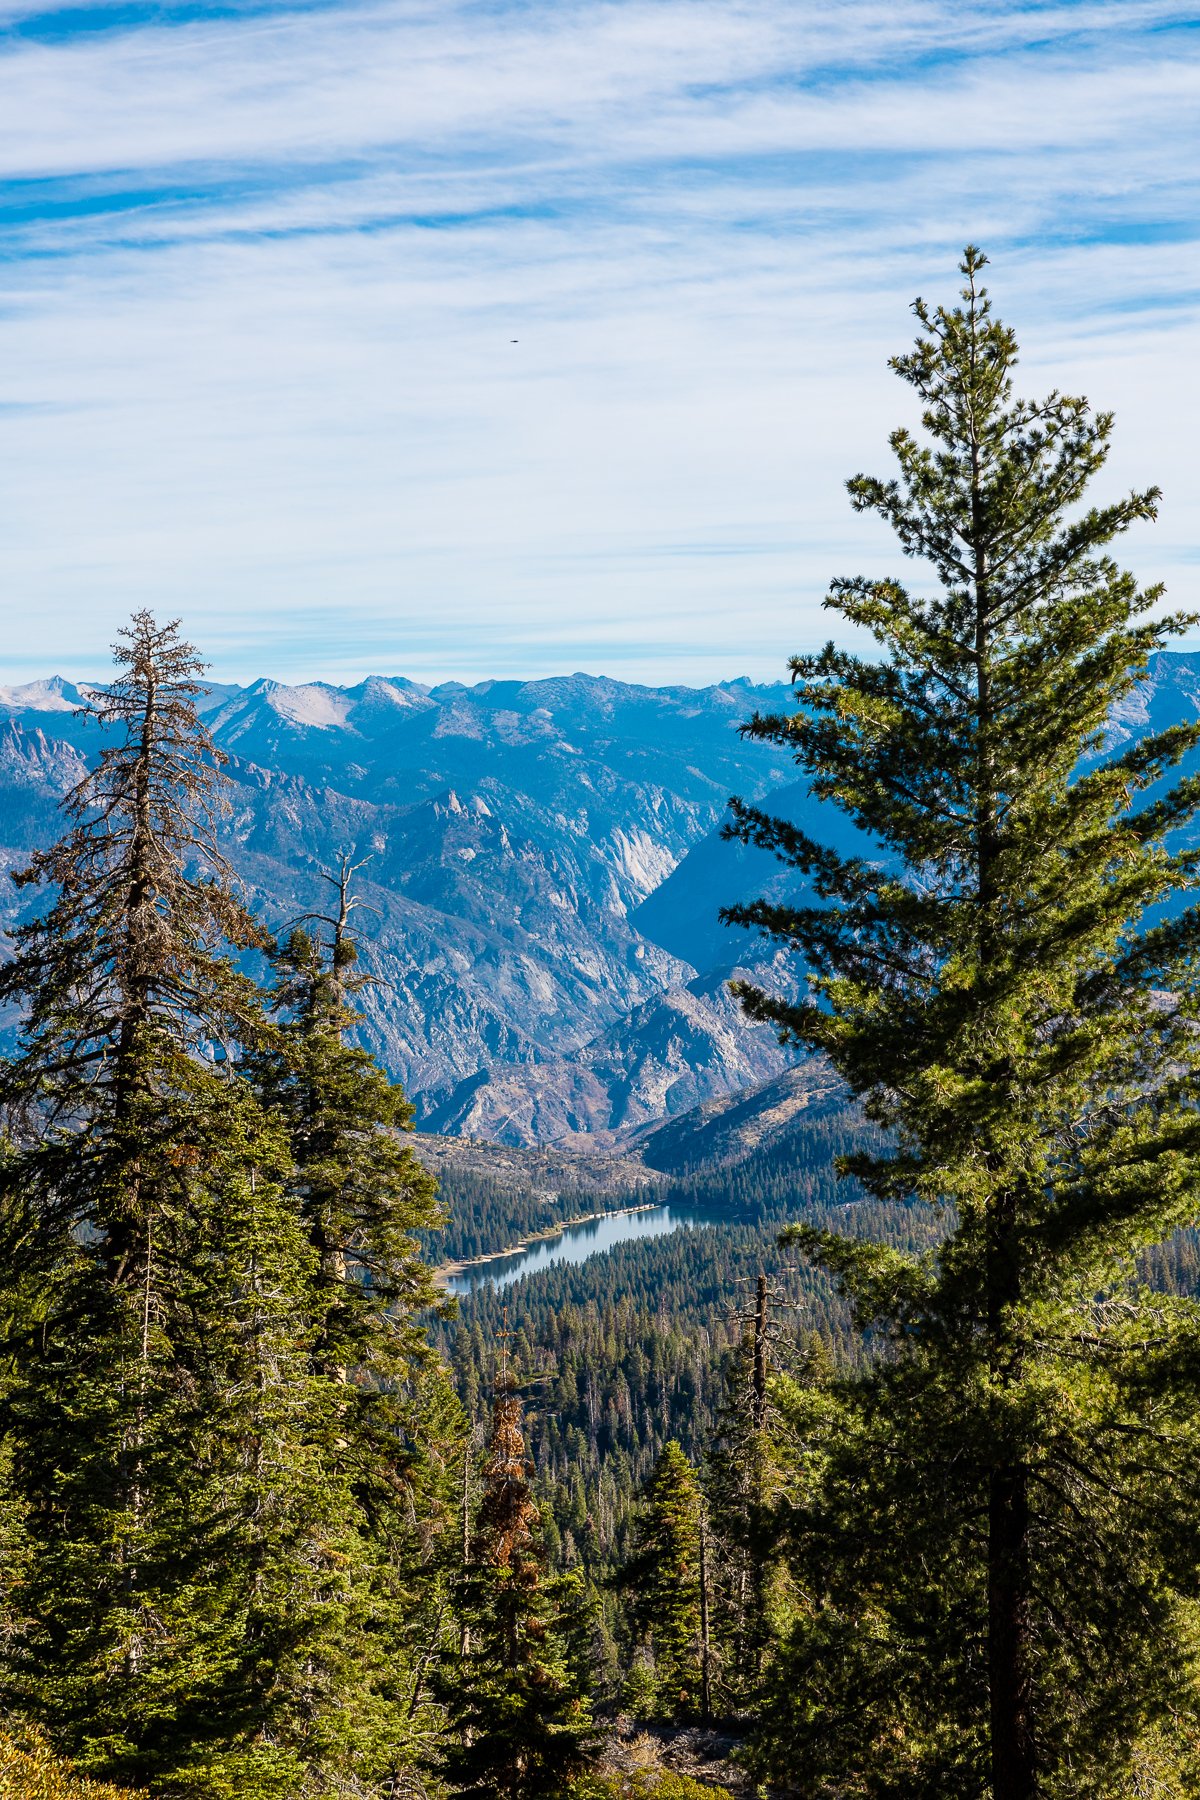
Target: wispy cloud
263,268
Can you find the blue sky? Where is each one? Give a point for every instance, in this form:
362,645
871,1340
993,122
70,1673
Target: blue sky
262,266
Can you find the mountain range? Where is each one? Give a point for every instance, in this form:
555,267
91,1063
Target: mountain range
545,873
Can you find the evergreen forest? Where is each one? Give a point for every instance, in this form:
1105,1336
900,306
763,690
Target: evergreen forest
881,1481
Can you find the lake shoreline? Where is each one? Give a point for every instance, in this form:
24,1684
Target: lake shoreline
446,1272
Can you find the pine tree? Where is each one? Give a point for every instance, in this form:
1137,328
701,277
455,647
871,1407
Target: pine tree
1003,1566
744,1481
517,1693
184,1585
360,1191
661,1580
394,1432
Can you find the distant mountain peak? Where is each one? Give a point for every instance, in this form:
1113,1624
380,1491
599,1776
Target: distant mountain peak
546,868
51,694
312,703
389,691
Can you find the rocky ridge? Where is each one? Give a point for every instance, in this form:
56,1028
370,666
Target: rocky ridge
546,869
513,830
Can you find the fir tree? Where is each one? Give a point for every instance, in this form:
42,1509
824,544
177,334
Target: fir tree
517,1693
360,1191
394,1430
662,1582
1003,1564
185,1589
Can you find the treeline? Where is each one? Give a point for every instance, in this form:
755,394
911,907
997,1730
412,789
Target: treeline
659,1466
647,1345
622,1354
484,1214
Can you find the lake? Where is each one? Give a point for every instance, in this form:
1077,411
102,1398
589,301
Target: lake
575,1244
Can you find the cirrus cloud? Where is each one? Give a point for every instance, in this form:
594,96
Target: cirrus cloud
264,266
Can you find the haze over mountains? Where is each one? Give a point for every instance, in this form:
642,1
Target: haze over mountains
546,870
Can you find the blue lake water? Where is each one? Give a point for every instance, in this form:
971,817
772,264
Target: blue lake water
574,1245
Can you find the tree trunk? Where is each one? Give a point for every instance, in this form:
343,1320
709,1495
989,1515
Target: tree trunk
705,1648
464,1648
1014,1766
1010,1682
756,1498
759,1401
1010,1624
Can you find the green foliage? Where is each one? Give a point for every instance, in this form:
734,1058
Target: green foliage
516,1691
632,1348
360,1191
392,1433
127,960
999,1555
203,1601
644,1784
517,1695
29,1770
749,1475
948,1504
661,1582
192,1578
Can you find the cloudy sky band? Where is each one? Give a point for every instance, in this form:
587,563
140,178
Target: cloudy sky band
262,268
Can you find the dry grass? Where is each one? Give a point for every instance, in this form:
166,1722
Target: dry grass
29,1770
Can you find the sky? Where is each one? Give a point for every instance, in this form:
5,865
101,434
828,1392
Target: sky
459,339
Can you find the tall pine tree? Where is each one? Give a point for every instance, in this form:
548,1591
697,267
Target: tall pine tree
184,1590
393,1433
661,1580
360,1191
516,1692
1003,1567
